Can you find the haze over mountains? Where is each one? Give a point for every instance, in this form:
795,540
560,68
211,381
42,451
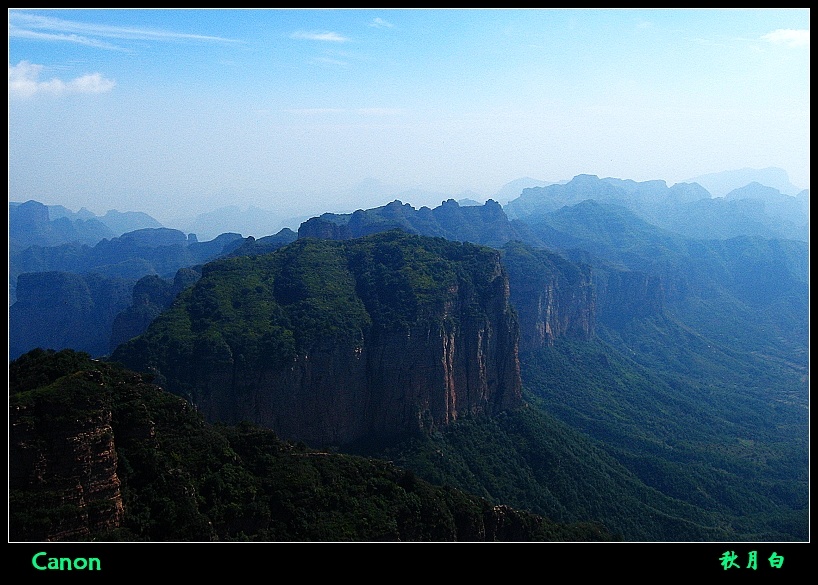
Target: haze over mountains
719,184
258,222
639,351
50,244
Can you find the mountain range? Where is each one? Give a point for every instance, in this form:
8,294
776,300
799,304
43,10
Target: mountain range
619,360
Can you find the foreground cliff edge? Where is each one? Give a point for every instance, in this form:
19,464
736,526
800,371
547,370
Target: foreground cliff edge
98,452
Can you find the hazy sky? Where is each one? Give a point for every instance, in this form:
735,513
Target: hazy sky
176,112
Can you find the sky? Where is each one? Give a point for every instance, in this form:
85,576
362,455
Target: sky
179,112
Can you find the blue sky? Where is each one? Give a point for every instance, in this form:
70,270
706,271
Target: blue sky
176,112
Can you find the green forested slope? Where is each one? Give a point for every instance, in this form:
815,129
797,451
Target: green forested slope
182,479
531,460
739,451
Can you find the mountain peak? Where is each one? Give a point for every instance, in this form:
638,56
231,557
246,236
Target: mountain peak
721,183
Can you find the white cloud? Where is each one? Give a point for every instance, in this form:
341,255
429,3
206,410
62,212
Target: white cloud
380,23
91,83
789,37
24,81
63,38
31,26
333,37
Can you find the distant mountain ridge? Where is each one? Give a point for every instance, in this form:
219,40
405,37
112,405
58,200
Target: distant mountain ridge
721,183
684,208
132,255
33,223
485,224
257,222
30,224
252,221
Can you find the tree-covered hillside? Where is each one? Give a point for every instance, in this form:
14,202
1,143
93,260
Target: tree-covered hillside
738,452
78,424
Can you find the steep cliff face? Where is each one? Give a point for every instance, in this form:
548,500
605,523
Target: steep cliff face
399,383
627,294
62,456
323,228
385,384
364,338
554,298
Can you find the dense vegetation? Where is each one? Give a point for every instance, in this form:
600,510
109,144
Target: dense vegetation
738,454
651,453
185,480
529,459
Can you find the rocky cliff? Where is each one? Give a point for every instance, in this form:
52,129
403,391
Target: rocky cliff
63,478
331,342
554,298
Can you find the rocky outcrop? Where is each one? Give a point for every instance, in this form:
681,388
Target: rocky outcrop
151,295
325,229
62,456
